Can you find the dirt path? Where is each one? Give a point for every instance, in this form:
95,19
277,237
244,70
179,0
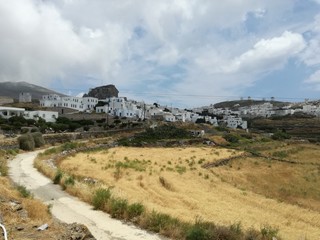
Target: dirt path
69,209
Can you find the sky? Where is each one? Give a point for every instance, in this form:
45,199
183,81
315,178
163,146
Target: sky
183,53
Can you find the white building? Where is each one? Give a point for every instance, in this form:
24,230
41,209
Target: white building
235,122
8,112
48,116
168,117
25,97
76,103
118,106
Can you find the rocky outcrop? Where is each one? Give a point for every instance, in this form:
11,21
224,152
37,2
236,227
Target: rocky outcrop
103,92
77,232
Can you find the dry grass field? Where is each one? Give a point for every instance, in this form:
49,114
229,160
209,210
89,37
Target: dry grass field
172,181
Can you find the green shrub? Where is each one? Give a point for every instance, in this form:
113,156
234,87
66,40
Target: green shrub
135,210
158,133
50,151
38,139
181,169
157,222
69,181
269,232
232,138
24,130
23,191
26,142
118,207
101,198
196,232
57,178
280,135
201,230
280,154
34,129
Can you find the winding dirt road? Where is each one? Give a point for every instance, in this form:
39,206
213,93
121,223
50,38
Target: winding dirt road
69,209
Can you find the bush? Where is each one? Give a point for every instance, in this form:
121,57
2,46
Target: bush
280,135
57,178
135,210
24,130
196,232
23,191
157,222
156,134
69,181
118,207
268,232
26,142
101,198
38,139
232,138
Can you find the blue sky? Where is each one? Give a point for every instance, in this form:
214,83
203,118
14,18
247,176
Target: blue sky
183,53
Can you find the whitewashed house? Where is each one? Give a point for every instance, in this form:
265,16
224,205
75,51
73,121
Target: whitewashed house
76,103
235,122
168,117
152,111
117,106
8,112
48,116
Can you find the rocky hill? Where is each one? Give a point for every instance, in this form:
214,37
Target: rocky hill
12,90
103,92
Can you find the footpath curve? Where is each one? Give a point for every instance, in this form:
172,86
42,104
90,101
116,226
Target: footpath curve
70,209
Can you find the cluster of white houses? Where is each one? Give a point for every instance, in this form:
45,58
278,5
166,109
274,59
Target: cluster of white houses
122,107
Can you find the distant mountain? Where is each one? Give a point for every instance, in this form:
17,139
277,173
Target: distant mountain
12,90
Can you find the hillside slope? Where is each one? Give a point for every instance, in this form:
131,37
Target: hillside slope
12,90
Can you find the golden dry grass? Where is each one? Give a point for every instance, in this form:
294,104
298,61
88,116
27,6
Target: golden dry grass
292,183
194,191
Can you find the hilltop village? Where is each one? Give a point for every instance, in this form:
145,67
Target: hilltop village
104,101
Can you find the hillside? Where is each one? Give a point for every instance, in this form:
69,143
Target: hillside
12,90
244,103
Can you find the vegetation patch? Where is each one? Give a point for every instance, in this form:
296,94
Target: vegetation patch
101,198
152,135
23,191
135,164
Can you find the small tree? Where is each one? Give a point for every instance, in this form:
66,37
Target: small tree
26,142
38,139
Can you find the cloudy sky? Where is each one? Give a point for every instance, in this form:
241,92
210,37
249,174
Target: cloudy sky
181,52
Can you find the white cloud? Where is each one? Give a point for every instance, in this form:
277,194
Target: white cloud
182,46
268,54
314,78
314,81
